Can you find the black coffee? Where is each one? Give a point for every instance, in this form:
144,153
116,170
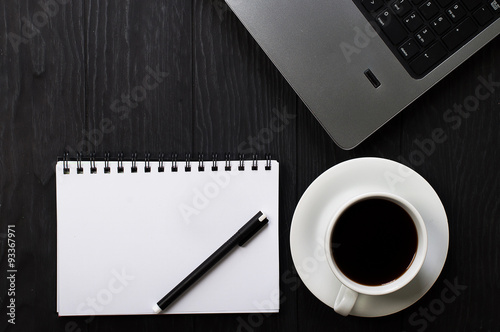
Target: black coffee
374,242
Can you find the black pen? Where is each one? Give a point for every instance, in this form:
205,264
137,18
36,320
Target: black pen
240,238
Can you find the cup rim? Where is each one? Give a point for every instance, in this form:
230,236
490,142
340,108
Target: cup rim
415,265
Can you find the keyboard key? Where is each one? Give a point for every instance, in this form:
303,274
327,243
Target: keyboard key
413,21
372,5
425,37
440,24
495,5
423,33
429,9
444,3
391,26
456,12
459,34
385,18
409,49
471,4
401,7
429,58
483,15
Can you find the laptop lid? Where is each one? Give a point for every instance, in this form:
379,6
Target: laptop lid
323,49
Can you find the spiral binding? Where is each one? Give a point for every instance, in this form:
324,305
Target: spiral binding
65,163
161,168
187,168
214,167
107,169
268,162
174,162
134,163
79,168
241,166
201,168
228,162
93,169
214,162
120,168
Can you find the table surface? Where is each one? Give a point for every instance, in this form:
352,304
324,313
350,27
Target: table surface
73,84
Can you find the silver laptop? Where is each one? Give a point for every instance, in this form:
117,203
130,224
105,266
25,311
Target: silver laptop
358,63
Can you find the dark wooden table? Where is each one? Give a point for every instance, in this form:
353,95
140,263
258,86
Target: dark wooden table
73,78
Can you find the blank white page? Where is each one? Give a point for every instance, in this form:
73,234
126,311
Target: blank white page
124,240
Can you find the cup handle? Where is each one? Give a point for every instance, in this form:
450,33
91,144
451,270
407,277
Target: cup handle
346,298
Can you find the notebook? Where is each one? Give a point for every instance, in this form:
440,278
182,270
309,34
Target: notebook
129,231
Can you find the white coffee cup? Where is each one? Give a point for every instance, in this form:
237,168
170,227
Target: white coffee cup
349,290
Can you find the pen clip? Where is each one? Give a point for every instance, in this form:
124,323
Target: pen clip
252,228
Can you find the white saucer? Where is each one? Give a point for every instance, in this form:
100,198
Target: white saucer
333,188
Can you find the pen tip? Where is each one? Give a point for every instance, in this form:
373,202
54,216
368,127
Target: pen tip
262,217
156,309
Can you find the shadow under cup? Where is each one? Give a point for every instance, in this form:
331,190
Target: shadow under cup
377,243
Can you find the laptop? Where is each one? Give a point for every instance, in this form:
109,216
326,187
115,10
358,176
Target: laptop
358,63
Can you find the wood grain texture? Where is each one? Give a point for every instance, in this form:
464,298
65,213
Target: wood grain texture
463,170
185,76
41,107
139,76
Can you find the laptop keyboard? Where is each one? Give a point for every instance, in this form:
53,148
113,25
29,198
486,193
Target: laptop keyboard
422,34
